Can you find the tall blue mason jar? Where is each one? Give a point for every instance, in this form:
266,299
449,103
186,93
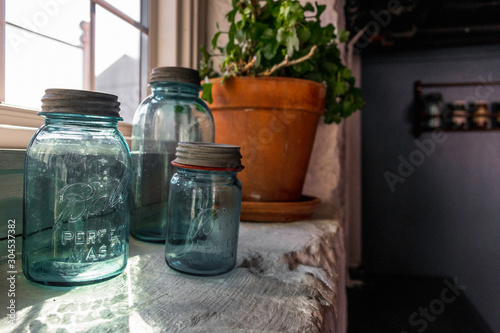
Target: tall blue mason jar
77,174
204,209
172,113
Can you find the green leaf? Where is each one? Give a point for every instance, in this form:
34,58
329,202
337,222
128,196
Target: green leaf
206,64
282,36
346,73
357,96
204,52
316,77
231,15
247,12
328,34
292,43
309,7
347,108
269,50
239,25
241,36
284,11
303,67
339,88
316,32
178,109
329,66
215,38
200,108
304,34
268,34
343,35
256,30
258,58
276,11
207,92
320,10
331,117
231,33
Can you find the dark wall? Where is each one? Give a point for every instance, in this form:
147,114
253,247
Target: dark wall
443,218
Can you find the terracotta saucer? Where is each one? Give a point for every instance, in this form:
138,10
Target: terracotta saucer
278,211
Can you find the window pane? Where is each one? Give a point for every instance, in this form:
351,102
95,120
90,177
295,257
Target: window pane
34,63
54,18
130,7
117,61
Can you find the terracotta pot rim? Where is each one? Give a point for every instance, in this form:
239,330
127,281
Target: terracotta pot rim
270,78
242,84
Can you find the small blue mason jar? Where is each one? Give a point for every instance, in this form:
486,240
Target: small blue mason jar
172,113
77,174
204,209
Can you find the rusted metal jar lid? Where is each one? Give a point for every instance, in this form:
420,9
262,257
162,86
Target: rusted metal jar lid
80,102
175,74
208,156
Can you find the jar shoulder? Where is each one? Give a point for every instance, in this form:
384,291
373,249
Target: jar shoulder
76,140
162,101
209,179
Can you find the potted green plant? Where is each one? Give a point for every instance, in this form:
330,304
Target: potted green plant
280,71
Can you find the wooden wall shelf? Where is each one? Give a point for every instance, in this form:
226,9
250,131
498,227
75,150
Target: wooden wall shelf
419,106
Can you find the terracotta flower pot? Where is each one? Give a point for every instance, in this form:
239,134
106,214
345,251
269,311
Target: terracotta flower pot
274,120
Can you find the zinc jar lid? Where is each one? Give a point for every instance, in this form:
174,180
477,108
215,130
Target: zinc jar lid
208,156
80,102
175,74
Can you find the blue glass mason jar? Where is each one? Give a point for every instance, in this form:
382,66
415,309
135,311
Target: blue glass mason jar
77,174
204,209
171,114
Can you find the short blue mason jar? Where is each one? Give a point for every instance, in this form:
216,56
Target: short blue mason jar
204,209
77,174
173,113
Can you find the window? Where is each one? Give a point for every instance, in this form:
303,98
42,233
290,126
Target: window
145,33
121,51
77,44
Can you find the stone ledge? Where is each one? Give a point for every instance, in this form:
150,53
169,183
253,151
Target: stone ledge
290,278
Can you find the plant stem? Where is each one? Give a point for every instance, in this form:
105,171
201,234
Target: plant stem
247,66
286,63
